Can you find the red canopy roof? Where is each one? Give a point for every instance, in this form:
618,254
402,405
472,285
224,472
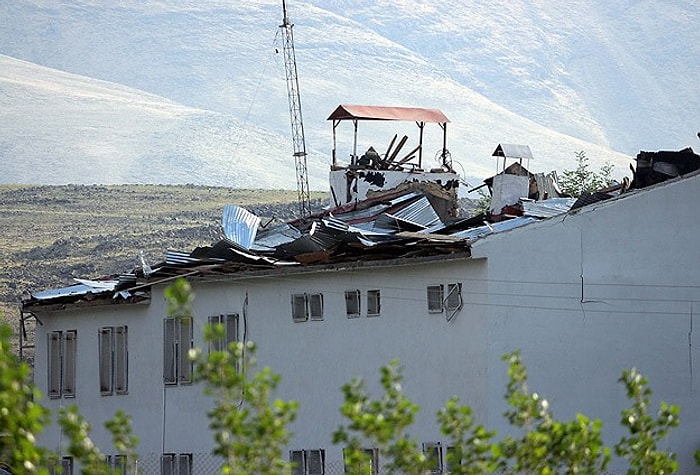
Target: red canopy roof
347,112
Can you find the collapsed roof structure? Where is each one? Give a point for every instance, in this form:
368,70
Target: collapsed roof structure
383,206
398,224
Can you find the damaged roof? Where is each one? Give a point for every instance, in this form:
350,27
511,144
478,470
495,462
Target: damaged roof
398,226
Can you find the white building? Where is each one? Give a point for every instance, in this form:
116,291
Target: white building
584,294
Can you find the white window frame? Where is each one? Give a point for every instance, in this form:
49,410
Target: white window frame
230,323
66,464
315,305
62,353
307,307
117,463
373,458
113,351
436,295
434,449
353,303
176,464
177,343
453,299
374,303
308,462
299,308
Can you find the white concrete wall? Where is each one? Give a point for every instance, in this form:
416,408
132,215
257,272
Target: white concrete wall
441,359
584,296
589,294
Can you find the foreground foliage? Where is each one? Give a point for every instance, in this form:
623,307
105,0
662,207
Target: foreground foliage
250,426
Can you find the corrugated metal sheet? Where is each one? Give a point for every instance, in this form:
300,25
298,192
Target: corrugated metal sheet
476,233
349,112
83,287
240,225
269,239
547,208
511,150
174,258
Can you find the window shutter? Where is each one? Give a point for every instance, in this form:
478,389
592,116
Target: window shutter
69,355
169,351
296,457
54,364
167,464
352,303
373,302
214,344
316,306
299,308
121,360
435,297
315,462
106,360
231,329
185,344
184,464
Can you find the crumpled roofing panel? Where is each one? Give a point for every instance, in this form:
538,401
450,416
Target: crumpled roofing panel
85,287
240,225
401,227
547,208
481,231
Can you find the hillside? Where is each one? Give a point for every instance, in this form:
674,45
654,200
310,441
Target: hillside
200,96
50,235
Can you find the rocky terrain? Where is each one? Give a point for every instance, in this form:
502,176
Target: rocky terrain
50,235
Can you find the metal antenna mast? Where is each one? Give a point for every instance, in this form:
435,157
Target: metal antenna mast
290,66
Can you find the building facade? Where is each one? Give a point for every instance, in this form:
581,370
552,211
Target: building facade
583,295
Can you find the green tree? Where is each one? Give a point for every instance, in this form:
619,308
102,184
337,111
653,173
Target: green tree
250,427
472,452
584,180
547,446
85,452
22,418
380,423
641,447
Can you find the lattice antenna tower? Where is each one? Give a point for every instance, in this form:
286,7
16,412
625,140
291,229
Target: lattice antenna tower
290,67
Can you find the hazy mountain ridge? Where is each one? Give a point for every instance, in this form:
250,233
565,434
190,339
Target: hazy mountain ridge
208,100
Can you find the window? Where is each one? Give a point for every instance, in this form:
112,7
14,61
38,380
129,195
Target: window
176,464
177,342
307,306
435,298
370,465
373,303
114,360
61,365
352,303
453,301
433,455
299,308
230,335
315,306
308,462
117,463
439,302
64,467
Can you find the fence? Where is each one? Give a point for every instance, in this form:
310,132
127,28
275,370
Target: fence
209,464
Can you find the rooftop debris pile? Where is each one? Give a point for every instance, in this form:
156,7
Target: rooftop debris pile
404,223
